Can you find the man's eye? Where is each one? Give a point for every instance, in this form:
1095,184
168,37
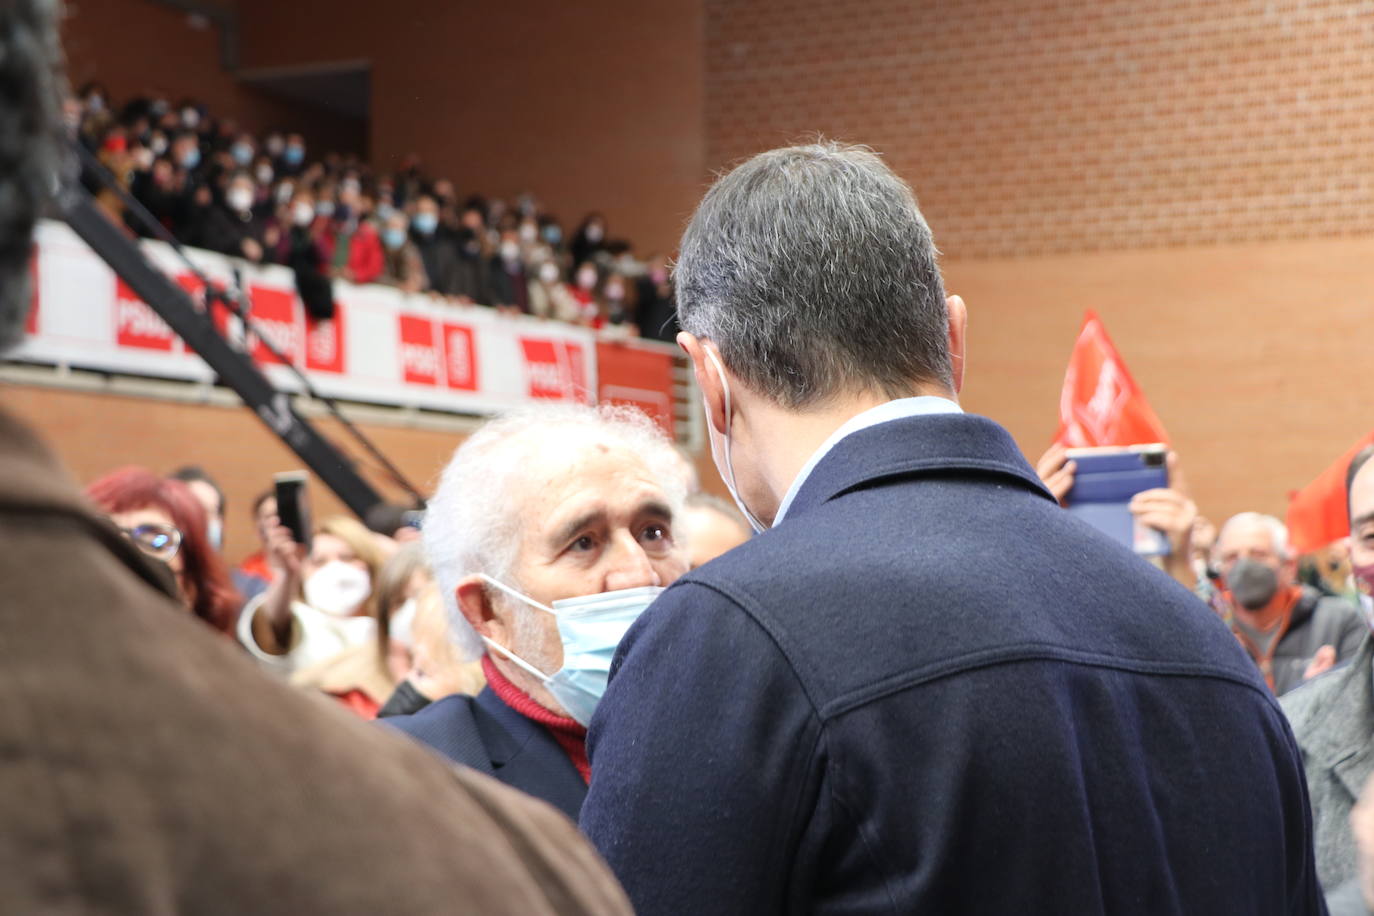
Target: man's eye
584,543
655,533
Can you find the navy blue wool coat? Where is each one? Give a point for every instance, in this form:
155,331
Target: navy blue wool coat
931,690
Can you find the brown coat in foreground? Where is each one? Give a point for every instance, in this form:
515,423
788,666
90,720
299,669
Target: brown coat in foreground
146,766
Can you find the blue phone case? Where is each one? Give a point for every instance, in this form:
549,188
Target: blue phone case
1103,487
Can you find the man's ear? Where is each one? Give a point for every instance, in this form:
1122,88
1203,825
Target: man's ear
708,379
958,327
475,604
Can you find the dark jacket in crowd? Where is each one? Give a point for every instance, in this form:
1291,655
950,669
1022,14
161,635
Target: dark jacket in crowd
656,314
1333,721
472,277
931,690
217,228
439,254
151,767
1317,620
484,733
507,287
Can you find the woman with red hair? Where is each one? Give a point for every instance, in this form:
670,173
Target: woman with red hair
167,522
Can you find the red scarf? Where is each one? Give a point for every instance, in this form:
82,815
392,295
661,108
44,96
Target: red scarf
570,735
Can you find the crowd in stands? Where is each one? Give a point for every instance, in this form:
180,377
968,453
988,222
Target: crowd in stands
270,199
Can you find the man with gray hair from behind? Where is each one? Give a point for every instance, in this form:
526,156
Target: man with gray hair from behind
1292,631
550,531
923,688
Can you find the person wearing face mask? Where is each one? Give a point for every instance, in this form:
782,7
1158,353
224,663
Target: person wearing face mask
583,289
352,245
656,313
1333,720
550,296
231,226
1283,626
437,248
508,282
364,676
402,265
923,687
590,239
292,155
551,530
210,496
320,601
301,248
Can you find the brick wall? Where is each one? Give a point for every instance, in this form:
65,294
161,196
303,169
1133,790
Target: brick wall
138,47
1079,125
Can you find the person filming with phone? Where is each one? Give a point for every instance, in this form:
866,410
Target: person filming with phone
319,602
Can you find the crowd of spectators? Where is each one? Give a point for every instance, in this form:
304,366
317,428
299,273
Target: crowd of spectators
270,199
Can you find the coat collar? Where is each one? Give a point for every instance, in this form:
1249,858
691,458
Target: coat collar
525,755
915,446
1344,742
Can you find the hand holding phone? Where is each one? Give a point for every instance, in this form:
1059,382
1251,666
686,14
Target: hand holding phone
292,511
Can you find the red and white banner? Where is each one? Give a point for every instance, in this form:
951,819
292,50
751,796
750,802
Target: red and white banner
384,347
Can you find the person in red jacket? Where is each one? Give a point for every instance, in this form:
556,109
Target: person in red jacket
353,247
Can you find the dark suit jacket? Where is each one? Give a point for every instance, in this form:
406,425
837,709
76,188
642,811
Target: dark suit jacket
149,766
931,690
484,733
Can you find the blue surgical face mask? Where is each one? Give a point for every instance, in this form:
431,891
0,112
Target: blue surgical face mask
294,155
590,629
727,473
553,235
190,159
243,153
393,237
426,223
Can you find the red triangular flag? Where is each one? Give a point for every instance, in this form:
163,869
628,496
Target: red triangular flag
1317,514
1101,404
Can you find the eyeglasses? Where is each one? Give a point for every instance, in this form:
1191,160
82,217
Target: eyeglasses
158,541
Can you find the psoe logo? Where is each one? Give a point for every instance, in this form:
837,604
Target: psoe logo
554,370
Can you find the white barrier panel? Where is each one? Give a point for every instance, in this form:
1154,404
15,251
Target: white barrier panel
383,347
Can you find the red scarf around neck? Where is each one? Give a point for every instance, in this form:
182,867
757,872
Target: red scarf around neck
570,735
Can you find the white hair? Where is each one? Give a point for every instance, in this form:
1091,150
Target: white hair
1278,531
471,524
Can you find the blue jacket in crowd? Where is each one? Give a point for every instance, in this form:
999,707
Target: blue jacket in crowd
931,690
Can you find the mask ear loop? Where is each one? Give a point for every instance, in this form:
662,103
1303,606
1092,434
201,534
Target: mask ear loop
526,599
754,522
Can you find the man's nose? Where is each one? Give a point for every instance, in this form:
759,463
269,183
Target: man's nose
629,565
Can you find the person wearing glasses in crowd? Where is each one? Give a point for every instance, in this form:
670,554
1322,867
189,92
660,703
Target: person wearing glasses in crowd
166,521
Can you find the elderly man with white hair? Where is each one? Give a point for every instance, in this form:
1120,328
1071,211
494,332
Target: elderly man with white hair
551,530
1290,630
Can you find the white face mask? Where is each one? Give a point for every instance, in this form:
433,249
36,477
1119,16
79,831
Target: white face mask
214,530
402,622
727,473
510,251
337,588
303,214
240,199
549,272
590,628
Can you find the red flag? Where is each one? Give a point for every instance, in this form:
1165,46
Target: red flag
1317,514
1101,404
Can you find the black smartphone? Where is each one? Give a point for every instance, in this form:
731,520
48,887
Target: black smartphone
291,507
